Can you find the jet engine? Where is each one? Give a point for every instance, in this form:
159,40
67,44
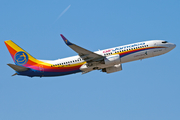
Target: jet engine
112,69
112,60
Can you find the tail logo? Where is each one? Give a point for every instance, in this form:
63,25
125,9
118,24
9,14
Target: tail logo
21,58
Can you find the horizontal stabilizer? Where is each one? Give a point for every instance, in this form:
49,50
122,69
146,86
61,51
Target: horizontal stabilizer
18,68
14,74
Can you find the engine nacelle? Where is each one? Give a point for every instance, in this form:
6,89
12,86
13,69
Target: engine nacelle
112,60
112,69
85,68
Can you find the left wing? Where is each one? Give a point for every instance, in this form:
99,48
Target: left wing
85,54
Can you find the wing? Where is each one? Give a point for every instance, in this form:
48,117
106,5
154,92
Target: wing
85,54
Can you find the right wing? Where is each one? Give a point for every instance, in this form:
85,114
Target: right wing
85,54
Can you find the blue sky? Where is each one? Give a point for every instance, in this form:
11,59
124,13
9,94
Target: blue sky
143,90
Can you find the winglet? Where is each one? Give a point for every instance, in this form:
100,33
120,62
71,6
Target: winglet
65,40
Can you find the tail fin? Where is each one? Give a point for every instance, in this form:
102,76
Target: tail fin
20,56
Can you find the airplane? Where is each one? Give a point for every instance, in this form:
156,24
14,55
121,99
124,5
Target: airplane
108,60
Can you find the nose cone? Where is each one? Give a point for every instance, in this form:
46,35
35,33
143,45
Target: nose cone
171,46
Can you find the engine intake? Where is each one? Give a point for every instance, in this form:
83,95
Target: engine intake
112,60
112,69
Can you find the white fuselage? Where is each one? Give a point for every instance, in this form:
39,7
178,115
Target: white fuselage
127,53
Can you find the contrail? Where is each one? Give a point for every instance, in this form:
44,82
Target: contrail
62,13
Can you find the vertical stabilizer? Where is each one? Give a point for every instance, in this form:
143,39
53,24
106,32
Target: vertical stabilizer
19,56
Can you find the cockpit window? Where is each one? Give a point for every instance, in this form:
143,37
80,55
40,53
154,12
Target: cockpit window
164,42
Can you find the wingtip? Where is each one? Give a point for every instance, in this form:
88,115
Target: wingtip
63,37
65,40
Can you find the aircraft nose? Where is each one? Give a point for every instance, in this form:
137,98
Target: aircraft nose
173,46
